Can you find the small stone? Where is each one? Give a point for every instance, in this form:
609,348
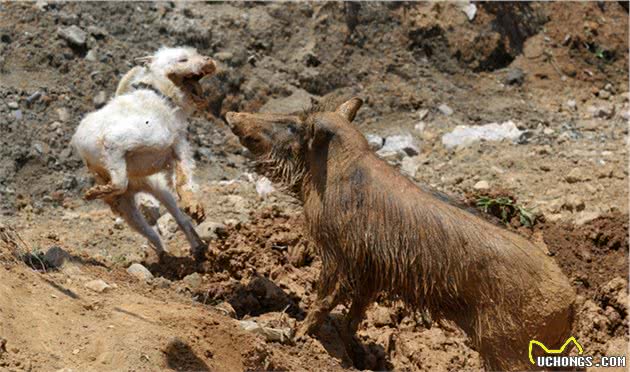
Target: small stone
481,185
167,226
515,76
404,144
264,187
13,105
193,281
119,223
575,175
33,97
375,142
445,109
73,35
382,316
470,10
63,114
226,309
423,114
420,127
97,285
161,282
410,165
572,104
224,56
55,257
548,131
604,112
574,203
91,56
603,94
100,99
210,230
586,217
140,272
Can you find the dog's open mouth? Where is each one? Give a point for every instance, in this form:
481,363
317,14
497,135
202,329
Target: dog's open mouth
191,85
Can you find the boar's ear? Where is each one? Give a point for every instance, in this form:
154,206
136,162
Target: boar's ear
349,108
320,135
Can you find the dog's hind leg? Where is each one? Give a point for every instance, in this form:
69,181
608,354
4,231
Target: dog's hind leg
125,206
159,189
116,165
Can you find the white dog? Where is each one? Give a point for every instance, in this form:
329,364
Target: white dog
137,142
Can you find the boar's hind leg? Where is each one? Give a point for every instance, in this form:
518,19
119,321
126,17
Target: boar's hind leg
324,303
356,314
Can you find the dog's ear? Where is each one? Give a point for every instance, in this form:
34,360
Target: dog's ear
143,60
349,108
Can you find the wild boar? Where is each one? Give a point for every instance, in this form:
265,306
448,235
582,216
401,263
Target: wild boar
378,232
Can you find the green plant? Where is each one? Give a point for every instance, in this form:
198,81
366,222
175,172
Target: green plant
505,208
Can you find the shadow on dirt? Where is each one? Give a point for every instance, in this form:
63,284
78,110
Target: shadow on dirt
180,357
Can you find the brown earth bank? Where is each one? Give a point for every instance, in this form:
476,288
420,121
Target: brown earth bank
558,71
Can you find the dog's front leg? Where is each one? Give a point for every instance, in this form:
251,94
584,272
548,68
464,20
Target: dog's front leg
184,166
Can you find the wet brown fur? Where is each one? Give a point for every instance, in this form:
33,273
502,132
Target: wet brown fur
378,232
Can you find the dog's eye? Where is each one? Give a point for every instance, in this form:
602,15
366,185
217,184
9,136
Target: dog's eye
183,60
291,129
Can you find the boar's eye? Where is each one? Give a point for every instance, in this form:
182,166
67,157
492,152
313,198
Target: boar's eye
291,129
183,60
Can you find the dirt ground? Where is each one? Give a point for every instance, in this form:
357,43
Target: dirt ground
558,71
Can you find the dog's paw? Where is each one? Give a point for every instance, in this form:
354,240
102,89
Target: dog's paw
195,211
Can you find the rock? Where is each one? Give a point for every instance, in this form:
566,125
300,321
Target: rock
375,142
91,56
404,143
264,187
13,105
586,217
445,109
97,285
224,56
149,207
97,32
100,99
227,309
18,115
574,203
571,104
167,226
73,35
576,175
423,113
63,114
515,76
604,112
119,223
56,257
625,114
298,101
140,272
381,316
481,185
470,10
33,97
604,94
548,131
161,282
209,230
238,203
282,335
420,127
410,165
464,135
192,281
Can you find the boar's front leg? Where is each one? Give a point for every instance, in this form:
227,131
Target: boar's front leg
328,296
